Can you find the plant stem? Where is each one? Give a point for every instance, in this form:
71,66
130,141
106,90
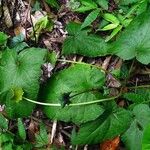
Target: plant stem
41,103
74,104
140,86
83,63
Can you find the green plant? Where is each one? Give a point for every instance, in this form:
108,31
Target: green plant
90,18
80,93
10,141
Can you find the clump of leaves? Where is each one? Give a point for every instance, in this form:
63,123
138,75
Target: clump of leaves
9,140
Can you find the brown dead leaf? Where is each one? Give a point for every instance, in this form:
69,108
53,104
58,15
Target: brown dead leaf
59,141
7,16
110,144
106,63
113,82
121,103
47,8
20,30
32,130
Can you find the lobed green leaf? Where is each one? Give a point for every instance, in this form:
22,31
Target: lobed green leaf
80,42
111,123
132,138
20,71
75,84
135,40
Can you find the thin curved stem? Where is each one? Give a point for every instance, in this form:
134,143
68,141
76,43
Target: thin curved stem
83,63
41,103
74,104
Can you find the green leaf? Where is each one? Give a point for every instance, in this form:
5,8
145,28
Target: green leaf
135,40
73,4
17,39
7,146
17,43
127,2
28,146
103,4
36,6
5,138
146,138
52,57
142,6
3,122
111,18
3,38
73,28
86,5
20,46
114,22
132,138
114,33
21,71
136,98
82,43
90,18
53,3
111,123
109,27
141,96
41,137
78,82
21,129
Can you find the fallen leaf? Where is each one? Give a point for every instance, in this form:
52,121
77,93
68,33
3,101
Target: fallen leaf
32,130
20,30
110,144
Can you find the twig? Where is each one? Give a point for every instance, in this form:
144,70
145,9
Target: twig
106,63
28,9
53,131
